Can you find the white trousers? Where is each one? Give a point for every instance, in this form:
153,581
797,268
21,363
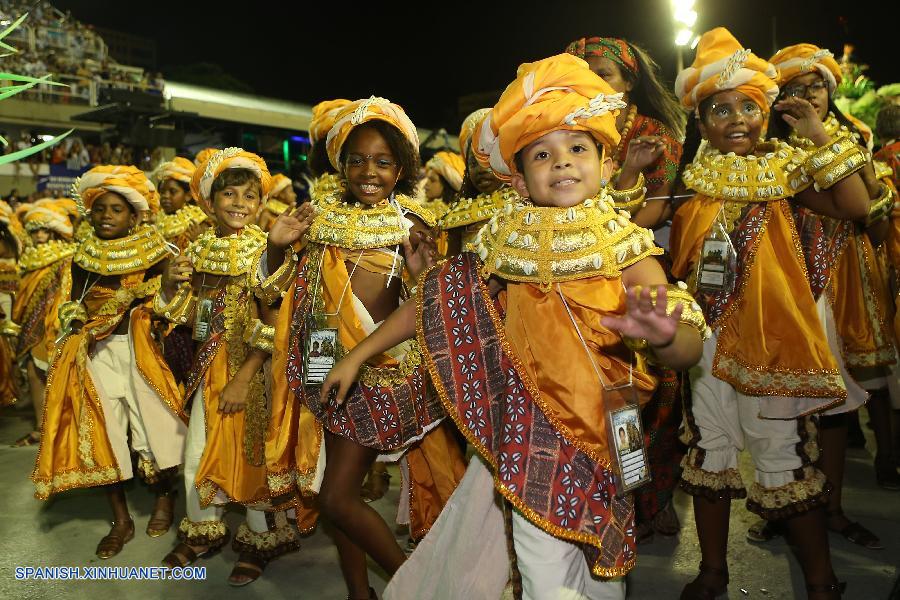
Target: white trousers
554,569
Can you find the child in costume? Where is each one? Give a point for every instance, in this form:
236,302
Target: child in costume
653,124
12,240
45,280
525,340
768,367
109,392
208,289
181,221
341,281
480,196
444,177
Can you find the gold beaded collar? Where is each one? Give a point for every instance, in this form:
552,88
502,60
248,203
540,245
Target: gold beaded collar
171,226
276,207
227,256
833,128
436,207
773,173
325,185
545,245
482,207
42,255
133,253
358,226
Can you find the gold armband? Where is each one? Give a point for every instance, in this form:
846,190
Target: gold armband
260,336
631,199
276,285
70,312
179,309
9,328
880,207
835,160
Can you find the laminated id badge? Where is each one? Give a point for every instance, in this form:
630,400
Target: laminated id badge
627,448
202,319
718,261
321,351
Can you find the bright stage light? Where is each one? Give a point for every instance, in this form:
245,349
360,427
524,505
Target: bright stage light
687,17
683,37
680,5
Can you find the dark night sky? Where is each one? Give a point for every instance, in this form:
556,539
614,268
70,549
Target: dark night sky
425,55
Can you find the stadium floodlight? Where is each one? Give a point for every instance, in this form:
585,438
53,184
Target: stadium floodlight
683,37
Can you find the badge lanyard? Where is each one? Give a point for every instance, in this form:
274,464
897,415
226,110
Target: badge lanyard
718,258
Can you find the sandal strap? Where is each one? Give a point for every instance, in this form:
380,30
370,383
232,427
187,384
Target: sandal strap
253,559
179,552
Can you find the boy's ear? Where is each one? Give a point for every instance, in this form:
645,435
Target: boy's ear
517,182
606,168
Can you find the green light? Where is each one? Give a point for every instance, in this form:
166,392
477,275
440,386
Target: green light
285,147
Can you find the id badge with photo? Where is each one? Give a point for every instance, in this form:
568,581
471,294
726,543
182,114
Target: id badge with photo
718,262
321,349
202,320
627,448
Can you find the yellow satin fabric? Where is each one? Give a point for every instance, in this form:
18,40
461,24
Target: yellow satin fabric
554,359
857,296
334,281
436,466
772,325
223,463
28,283
75,450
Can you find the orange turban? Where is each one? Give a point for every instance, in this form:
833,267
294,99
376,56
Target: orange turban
450,166
229,158
179,169
48,214
722,64
358,112
204,155
279,182
323,117
471,123
800,59
129,182
560,92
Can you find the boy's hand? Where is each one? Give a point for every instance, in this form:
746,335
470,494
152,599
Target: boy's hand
234,396
291,226
420,256
802,117
644,319
643,152
178,271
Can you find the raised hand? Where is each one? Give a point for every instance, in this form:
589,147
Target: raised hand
291,226
234,396
642,152
178,271
645,319
802,117
421,256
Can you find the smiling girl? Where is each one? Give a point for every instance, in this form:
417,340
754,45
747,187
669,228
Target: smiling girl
109,393
768,365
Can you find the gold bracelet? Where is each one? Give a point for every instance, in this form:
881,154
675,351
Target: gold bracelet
259,336
179,309
10,329
839,158
277,284
881,207
69,312
631,199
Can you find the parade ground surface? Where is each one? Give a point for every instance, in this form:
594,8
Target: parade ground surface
65,532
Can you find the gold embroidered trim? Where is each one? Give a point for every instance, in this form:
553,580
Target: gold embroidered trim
203,532
392,376
270,543
544,245
803,490
881,207
130,254
76,478
148,470
436,207
227,256
482,207
450,408
44,255
326,185
276,207
276,285
775,381
774,174
357,226
260,336
728,480
173,225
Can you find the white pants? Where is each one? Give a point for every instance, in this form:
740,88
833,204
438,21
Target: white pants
193,452
554,569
